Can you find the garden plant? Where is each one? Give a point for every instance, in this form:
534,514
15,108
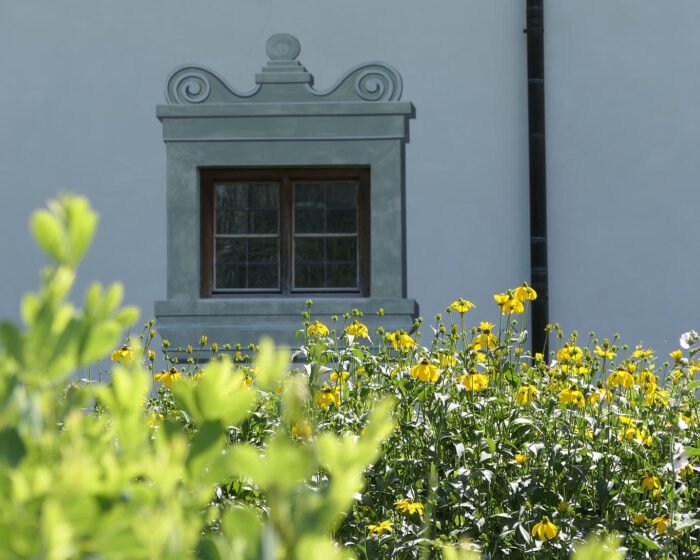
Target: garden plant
453,441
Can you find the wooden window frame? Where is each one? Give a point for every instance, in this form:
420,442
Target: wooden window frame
285,176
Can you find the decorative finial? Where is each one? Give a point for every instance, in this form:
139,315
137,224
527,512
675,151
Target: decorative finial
283,47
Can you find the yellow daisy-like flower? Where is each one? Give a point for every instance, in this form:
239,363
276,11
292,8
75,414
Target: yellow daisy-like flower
525,293
569,353
317,329
409,507
651,482
380,528
302,430
639,519
572,396
605,353
474,381
661,524
485,338
123,355
620,377
425,371
401,340
167,378
545,530
447,359
342,375
525,394
520,458
461,306
599,395
641,352
677,355
357,329
328,397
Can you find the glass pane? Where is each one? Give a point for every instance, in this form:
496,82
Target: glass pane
263,195
342,249
231,195
341,195
308,221
341,276
341,221
262,250
231,221
230,251
263,276
308,276
230,276
309,195
263,221
309,250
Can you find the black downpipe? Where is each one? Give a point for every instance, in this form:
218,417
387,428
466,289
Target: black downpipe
538,172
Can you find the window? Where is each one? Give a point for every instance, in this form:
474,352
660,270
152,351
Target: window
285,231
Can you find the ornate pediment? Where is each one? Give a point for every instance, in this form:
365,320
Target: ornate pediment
284,79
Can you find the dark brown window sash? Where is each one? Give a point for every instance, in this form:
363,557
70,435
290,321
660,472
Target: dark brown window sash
285,177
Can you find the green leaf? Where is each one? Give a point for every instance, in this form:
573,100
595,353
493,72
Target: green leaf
48,233
692,451
270,364
206,446
82,221
101,339
597,549
11,340
12,448
644,540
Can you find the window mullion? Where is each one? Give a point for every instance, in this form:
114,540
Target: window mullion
286,247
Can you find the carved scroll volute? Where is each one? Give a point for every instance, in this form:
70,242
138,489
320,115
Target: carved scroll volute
285,79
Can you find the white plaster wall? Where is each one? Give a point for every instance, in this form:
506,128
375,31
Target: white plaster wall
81,78
623,140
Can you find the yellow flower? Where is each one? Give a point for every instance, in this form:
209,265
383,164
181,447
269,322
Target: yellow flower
544,530
572,396
474,381
409,507
167,378
508,304
342,375
645,377
485,338
651,482
661,524
599,394
640,352
525,292
379,528
357,329
655,396
564,506
677,355
154,419
639,519
605,352
461,306
302,430
425,371
317,329
687,471
525,394
123,355
447,359
569,353
620,377
400,340
520,458
328,397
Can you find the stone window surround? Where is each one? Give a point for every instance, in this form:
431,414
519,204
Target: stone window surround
284,122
